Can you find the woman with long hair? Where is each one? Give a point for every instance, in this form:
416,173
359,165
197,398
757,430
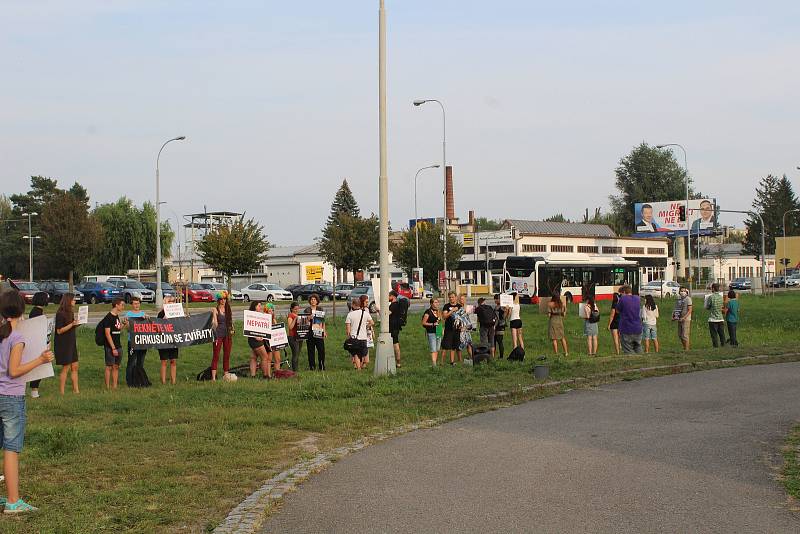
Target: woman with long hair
430,322
555,323
650,322
168,355
275,355
591,316
613,322
451,335
291,330
515,322
222,321
317,334
258,348
65,344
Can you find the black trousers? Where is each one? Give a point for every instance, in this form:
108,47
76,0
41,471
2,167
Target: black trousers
316,349
498,342
717,333
732,334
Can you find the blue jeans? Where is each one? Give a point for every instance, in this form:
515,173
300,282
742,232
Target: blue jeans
12,417
434,342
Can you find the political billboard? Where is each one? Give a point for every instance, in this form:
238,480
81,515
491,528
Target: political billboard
660,219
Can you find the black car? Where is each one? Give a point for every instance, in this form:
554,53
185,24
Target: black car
56,288
166,289
325,291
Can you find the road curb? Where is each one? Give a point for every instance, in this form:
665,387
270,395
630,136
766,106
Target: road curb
250,514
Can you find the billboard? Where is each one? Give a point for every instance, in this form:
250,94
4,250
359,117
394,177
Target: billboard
660,219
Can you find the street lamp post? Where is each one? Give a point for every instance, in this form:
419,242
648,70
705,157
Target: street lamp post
688,231
416,216
30,237
159,292
784,236
444,176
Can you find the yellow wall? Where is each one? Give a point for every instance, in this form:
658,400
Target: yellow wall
792,251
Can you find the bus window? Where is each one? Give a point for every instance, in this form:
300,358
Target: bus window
618,276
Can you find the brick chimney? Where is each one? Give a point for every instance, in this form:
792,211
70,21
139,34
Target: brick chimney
451,203
471,220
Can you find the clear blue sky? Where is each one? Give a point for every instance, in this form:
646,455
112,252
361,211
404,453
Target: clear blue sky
279,101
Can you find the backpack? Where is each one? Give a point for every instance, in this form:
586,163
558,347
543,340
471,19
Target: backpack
480,354
486,315
99,334
517,355
594,316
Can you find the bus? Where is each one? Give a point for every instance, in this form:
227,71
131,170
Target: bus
572,275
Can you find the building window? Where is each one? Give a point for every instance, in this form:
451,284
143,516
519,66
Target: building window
502,249
612,250
468,250
587,250
656,251
634,250
534,248
562,248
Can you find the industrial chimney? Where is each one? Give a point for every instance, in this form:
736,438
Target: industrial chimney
450,202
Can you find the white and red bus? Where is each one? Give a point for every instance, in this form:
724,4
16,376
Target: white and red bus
572,275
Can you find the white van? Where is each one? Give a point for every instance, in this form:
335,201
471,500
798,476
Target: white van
103,278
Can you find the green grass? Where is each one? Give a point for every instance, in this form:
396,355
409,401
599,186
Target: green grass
179,458
791,465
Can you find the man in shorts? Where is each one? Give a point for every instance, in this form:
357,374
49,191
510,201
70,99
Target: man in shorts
112,333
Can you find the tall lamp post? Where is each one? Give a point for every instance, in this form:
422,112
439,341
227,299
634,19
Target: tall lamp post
784,236
416,216
444,181
30,237
688,232
159,292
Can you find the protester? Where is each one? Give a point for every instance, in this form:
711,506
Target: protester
451,335
500,327
12,396
275,354
682,314
650,322
515,322
555,323
430,322
732,317
135,375
591,315
258,348
291,331
487,320
168,355
630,321
465,329
112,334
716,319
357,325
395,324
613,322
317,333
65,343
40,301
222,321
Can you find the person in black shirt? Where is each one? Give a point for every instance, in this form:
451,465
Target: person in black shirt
65,344
168,355
430,321
451,337
112,330
39,301
500,326
395,324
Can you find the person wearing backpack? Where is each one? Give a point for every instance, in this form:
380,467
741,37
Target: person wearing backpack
591,316
487,319
110,334
357,326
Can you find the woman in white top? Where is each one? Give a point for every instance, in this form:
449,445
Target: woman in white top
357,325
649,323
515,323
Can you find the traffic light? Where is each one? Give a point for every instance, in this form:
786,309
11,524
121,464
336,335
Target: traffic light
682,213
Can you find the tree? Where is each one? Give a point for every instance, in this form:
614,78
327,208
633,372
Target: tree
351,243
647,174
238,247
430,252
343,202
774,197
599,217
558,217
482,224
69,235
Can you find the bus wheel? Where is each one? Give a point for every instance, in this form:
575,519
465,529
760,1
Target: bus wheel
568,297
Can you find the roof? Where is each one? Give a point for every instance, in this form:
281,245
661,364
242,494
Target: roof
559,228
289,253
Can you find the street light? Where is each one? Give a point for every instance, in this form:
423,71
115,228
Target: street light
418,103
159,292
416,216
30,239
784,236
688,232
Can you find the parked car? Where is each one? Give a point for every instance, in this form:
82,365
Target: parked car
26,289
356,293
741,283
364,283
133,288
403,289
55,289
793,281
267,292
99,291
219,286
198,293
658,288
101,278
343,290
778,281
291,288
325,291
166,289
427,292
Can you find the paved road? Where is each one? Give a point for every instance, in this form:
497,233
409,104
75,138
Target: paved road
686,453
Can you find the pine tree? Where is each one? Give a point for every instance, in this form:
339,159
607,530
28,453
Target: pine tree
774,197
343,202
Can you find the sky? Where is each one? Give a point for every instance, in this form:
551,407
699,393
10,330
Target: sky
279,101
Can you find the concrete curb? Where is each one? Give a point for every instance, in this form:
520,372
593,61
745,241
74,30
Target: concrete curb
249,515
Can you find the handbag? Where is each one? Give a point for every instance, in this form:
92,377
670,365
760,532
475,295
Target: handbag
352,344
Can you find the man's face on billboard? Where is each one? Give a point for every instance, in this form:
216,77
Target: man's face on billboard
706,211
647,214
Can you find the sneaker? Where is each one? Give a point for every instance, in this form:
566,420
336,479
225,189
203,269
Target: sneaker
35,393
19,507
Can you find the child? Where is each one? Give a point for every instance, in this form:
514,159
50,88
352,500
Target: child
12,396
649,323
732,317
112,332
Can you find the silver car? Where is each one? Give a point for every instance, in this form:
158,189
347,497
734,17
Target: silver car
133,288
658,288
267,292
218,286
356,293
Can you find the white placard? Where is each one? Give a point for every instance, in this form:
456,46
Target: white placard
506,300
83,314
582,311
173,309
34,332
257,324
370,339
278,337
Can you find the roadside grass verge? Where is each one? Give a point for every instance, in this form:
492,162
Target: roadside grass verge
177,459
791,465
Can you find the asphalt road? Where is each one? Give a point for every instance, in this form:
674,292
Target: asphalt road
687,453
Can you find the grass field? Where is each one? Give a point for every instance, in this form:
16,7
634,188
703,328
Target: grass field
791,466
178,458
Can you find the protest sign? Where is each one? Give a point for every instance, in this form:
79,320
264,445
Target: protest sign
83,314
257,324
173,309
303,325
506,300
318,324
34,332
171,333
277,336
